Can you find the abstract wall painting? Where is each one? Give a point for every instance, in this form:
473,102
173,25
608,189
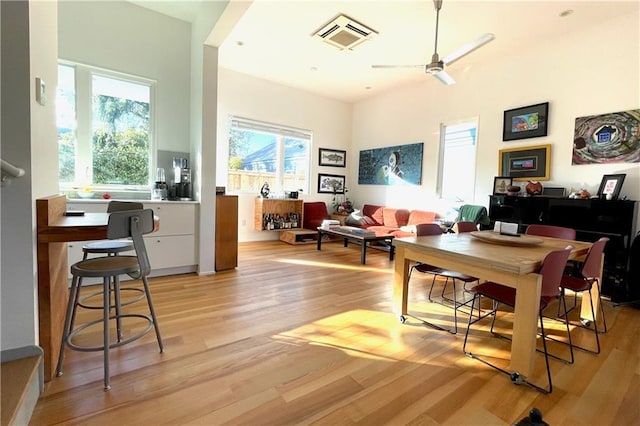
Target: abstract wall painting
394,165
607,138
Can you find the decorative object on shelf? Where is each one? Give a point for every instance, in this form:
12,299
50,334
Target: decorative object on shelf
330,184
85,193
513,190
525,163
607,138
332,157
533,188
264,191
525,122
341,203
395,165
582,194
501,185
610,186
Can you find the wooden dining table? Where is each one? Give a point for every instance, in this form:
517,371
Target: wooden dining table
512,264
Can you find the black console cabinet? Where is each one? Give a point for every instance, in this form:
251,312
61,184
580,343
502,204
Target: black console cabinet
591,218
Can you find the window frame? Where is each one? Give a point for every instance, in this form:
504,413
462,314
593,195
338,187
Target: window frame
280,132
441,158
83,86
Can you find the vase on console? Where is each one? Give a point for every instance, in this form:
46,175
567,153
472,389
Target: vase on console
533,188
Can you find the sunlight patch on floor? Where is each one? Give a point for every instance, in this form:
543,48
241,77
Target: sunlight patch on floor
362,268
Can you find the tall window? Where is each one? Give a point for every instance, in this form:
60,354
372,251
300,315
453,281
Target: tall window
263,152
457,166
104,128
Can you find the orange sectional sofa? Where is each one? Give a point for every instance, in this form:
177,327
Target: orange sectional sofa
387,220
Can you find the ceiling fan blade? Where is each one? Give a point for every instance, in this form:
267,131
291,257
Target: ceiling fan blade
444,77
397,66
468,48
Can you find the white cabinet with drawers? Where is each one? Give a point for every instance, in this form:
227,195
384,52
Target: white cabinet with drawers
174,244
171,249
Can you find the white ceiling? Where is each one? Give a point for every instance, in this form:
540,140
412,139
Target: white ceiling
272,39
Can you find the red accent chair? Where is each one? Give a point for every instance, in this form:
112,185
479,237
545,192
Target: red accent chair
313,214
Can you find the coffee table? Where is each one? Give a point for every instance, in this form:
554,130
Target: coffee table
349,234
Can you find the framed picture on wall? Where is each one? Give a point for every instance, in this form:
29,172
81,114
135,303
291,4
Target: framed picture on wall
330,184
332,157
525,122
525,163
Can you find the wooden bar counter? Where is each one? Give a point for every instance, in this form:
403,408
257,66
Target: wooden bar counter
54,230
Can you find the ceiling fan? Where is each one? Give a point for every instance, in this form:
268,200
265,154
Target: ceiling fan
436,66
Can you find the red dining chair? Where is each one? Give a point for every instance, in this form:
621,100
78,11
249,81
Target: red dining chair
433,229
588,276
555,232
551,231
460,227
465,227
551,270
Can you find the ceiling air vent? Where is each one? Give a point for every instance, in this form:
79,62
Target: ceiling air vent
344,33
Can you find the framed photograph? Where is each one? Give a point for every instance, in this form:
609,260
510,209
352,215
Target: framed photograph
525,122
332,157
610,186
526,163
500,184
330,184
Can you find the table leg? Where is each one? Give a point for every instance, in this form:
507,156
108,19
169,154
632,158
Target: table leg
319,243
525,323
400,282
346,242
391,251
363,253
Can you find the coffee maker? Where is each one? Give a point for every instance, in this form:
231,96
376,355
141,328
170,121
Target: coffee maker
181,180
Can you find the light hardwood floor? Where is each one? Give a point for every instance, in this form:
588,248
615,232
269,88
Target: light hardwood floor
297,336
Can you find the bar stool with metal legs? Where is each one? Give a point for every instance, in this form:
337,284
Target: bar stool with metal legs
123,224
109,248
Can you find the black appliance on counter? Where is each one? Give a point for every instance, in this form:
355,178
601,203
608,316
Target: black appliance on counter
181,189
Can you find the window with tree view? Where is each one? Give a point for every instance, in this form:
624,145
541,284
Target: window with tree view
263,152
104,129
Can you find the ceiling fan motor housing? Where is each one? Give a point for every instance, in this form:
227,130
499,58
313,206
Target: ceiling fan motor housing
435,66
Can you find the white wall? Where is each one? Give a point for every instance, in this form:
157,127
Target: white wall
204,95
328,119
120,36
591,72
29,140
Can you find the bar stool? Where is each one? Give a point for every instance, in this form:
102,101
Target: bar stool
109,248
122,224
